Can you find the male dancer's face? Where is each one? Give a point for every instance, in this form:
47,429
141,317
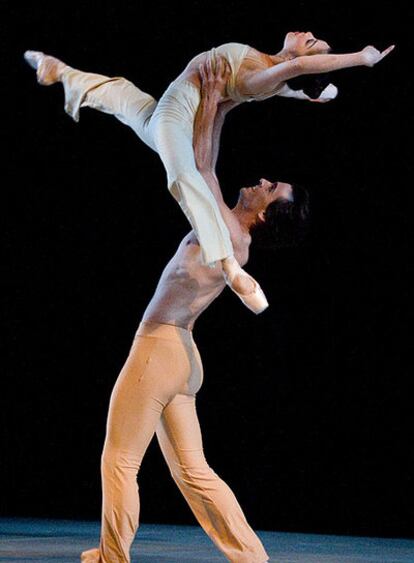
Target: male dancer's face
256,198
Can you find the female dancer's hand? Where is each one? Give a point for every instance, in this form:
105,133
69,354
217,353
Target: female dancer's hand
227,105
214,80
371,56
330,93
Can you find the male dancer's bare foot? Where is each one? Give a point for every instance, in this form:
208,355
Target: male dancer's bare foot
244,286
48,68
90,556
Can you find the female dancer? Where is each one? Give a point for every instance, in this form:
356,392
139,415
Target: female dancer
167,126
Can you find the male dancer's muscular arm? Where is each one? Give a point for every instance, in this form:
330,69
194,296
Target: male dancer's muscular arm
222,110
206,136
208,124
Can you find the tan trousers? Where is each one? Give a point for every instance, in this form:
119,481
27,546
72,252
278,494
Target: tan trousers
166,127
156,393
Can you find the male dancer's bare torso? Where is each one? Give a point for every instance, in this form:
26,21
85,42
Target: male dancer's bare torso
187,287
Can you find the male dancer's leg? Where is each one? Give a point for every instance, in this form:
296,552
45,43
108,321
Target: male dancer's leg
150,378
209,497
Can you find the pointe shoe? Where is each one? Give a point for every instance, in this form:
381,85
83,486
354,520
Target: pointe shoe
47,68
90,556
256,300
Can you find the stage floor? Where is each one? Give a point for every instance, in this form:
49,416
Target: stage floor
27,540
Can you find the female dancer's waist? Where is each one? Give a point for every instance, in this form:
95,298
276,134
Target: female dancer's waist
179,103
182,82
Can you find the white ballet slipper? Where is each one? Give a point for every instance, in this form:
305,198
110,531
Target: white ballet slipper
256,300
33,58
41,63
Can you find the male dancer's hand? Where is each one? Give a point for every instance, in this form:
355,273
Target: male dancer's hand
214,82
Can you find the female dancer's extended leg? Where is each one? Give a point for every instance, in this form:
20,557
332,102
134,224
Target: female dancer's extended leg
166,127
169,133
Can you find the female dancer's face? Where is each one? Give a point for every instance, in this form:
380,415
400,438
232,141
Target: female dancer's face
257,198
301,43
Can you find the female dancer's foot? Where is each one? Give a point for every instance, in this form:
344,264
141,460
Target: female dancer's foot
48,68
244,286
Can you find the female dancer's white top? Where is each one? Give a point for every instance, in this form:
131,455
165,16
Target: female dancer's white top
235,54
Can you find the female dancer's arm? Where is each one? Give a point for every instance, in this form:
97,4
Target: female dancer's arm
369,56
257,82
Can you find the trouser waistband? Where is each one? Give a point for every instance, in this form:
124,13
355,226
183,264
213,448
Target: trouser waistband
162,330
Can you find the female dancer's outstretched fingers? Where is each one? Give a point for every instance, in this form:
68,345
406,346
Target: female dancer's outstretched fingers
387,50
372,56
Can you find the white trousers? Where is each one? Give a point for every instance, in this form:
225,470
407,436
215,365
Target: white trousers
166,127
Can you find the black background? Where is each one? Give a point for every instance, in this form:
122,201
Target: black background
305,409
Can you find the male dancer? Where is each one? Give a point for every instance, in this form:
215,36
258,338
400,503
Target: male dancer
156,389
